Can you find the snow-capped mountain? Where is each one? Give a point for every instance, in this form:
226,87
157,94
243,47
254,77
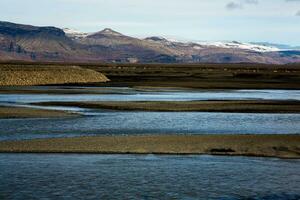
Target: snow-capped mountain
108,31
75,34
241,45
258,47
33,43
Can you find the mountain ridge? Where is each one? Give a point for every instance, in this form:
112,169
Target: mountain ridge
33,43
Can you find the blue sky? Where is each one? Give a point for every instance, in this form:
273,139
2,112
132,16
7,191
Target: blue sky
275,21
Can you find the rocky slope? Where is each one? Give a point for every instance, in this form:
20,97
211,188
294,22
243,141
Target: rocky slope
31,43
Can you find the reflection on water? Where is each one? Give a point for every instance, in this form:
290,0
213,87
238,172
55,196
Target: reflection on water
48,176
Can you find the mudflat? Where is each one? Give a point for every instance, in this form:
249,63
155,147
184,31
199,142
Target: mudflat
242,106
21,112
281,146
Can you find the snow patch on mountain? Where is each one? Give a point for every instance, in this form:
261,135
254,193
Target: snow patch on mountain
72,33
240,45
108,31
282,47
228,45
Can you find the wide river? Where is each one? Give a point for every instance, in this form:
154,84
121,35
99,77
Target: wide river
88,176
95,122
59,176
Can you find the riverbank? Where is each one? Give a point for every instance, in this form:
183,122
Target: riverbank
245,106
21,112
281,146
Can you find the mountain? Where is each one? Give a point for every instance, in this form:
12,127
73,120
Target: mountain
32,43
25,42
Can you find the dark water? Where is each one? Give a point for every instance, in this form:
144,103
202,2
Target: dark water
53,176
107,122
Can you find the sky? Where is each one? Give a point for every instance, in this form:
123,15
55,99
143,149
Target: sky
275,21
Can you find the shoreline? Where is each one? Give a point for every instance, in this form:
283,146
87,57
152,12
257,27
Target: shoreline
279,146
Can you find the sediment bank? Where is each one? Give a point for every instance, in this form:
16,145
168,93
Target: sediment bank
281,146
